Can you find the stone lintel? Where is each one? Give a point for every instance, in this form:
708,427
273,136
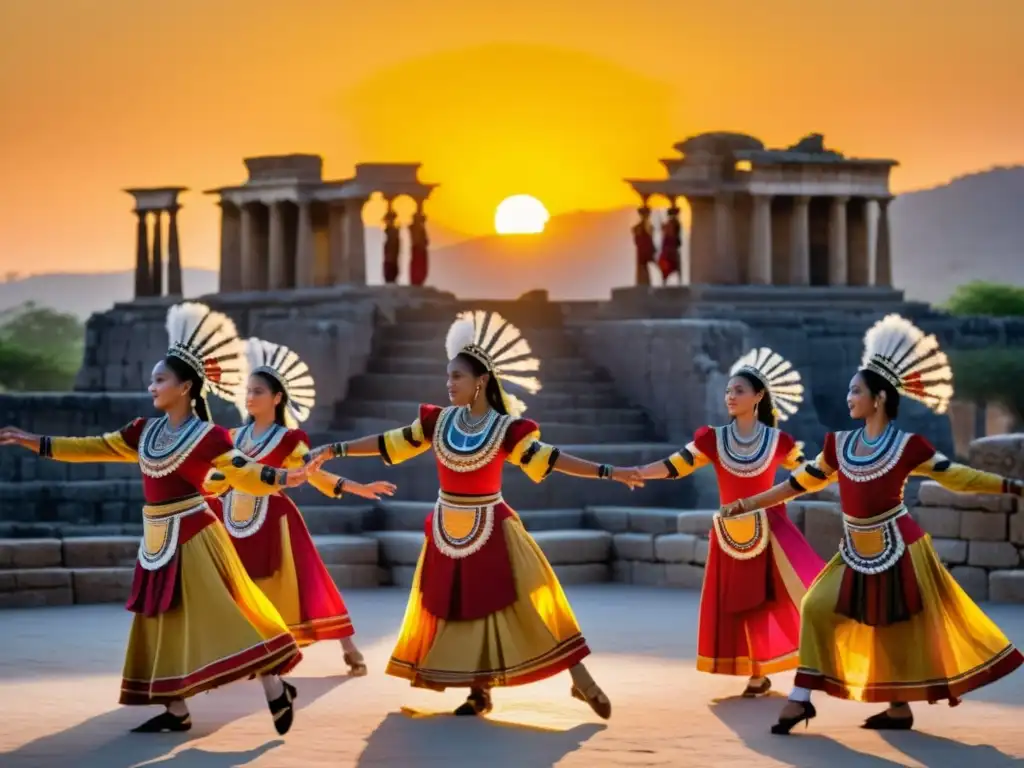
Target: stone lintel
156,198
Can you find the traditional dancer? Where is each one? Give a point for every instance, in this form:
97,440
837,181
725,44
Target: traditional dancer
885,621
200,621
486,608
268,532
759,566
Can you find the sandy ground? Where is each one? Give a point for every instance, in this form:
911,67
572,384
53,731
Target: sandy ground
59,677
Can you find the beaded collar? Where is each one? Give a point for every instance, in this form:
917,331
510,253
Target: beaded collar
862,469
746,456
163,450
460,451
258,448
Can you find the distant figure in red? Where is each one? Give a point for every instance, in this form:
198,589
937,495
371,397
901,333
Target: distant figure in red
392,246
644,241
419,240
669,261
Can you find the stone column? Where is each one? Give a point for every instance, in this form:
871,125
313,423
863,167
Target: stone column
800,242
759,266
883,246
355,242
838,267
277,265
305,258
859,265
173,253
249,261
725,268
230,247
336,242
157,272
143,286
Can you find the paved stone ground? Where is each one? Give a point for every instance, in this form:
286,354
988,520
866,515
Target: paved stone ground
59,672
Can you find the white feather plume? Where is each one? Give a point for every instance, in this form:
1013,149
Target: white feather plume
781,379
208,341
899,351
285,365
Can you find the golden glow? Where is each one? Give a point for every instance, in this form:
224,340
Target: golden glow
520,215
744,166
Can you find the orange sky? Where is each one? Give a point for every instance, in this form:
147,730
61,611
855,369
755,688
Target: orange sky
555,98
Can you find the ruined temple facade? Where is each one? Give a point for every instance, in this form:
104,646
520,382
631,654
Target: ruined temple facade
288,227
799,216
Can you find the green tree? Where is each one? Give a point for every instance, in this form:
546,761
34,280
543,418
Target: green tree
989,299
993,375
40,349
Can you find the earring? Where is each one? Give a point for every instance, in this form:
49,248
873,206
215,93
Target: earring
476,395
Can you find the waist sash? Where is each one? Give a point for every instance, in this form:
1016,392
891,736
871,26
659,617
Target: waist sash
743,536
874,544
160,526
244,514
463,524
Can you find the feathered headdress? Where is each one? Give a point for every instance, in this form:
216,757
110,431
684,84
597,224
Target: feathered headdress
288,370
208,342
777,375
899,352
500,347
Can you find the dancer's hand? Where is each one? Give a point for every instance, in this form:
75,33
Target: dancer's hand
296,477
15,436
316,459
631,476
370,490
732,508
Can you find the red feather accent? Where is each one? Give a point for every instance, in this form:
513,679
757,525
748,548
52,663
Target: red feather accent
213,370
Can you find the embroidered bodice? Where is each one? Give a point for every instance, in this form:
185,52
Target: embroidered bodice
745,466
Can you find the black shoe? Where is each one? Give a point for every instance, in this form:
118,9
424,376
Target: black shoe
477,703
282,709
165,722
883,721
753,691
786,724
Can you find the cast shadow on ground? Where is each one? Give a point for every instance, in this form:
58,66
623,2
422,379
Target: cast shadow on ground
193,757
443,738
926,747
104,741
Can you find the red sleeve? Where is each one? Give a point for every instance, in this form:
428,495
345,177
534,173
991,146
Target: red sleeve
706,441
517,430
786,444
296,436
428,419
217,442
131,433
829,451
918,451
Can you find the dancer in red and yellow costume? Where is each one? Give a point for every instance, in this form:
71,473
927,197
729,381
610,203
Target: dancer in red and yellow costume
759,565
885,621
268,531
200,622
486,608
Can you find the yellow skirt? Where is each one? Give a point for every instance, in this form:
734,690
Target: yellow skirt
222,629
944,651
534,638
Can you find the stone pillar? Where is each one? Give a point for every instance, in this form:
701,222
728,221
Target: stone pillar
157,271
883,246
305,257
173,253
800,242
143,286
230,247
759,266
249,240
859,271
838,267
277,265
336,241
725,268
355,242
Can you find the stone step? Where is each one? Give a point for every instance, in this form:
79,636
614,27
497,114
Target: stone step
556,347
559,434
525,314
402,412
553,370
574,394
435,332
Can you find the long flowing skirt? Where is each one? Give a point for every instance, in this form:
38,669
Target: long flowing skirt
945,650
535,637
300,587
221,629
734,639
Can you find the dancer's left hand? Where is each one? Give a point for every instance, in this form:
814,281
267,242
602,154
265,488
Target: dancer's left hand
371,490
631,476
296,477
732,508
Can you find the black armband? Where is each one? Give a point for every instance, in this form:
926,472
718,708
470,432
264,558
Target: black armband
604,471
339,488
339,450
46,447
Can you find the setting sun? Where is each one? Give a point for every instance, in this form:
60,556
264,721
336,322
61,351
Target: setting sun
520,215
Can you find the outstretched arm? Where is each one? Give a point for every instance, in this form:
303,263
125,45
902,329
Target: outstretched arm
964,479
538,459
233,468
393,446
110,447
683,462
810,477
333,485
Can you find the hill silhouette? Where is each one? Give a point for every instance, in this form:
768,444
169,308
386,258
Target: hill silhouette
968,229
